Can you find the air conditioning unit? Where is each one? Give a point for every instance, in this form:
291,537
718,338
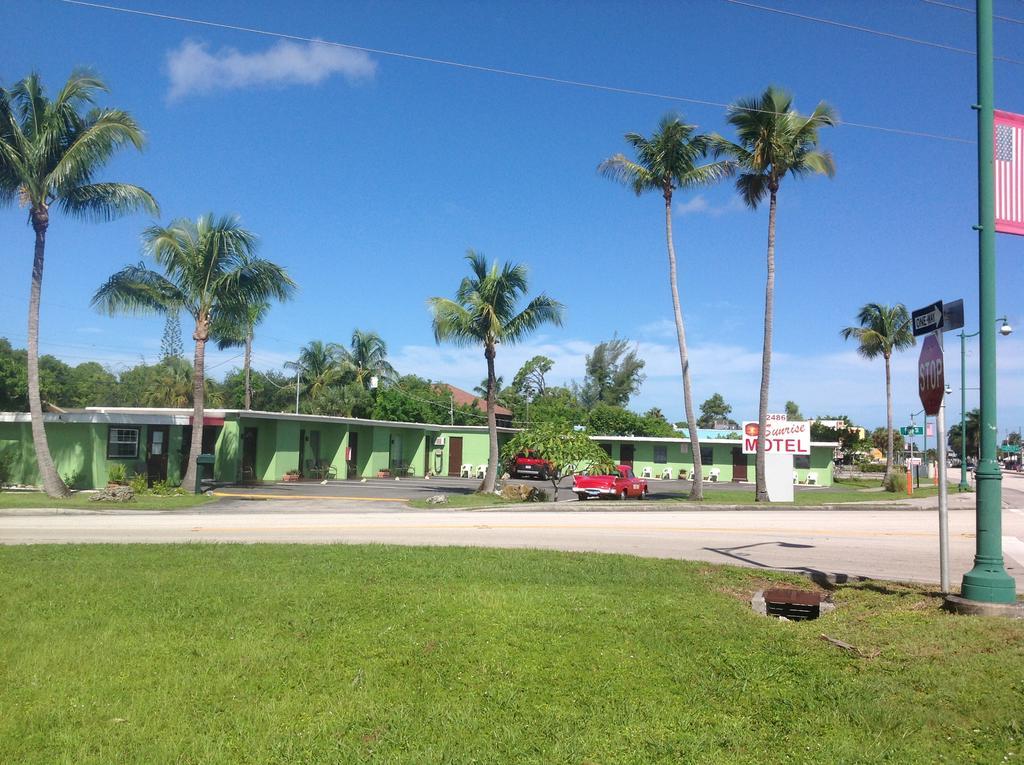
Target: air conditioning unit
439,441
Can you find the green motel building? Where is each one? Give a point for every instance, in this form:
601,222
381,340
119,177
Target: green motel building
267,447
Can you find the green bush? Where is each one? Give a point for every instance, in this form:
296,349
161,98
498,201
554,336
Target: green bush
165,489
871,467
5,469
896,482
117,473
139,483
71,478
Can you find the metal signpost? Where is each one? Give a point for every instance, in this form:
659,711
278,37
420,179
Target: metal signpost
931,386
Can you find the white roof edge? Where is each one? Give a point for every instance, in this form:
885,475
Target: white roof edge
99,418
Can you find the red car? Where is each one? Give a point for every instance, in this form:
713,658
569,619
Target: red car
529,465
620,485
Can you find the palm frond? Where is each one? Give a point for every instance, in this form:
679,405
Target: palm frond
138,290
453,323
107,201
101,135
538,312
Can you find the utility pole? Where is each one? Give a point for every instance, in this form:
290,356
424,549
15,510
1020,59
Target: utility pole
987,581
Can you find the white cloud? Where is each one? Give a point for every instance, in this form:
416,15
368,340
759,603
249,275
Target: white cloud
699,205
194,69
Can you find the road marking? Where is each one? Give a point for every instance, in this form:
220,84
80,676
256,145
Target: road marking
305,496
1014,548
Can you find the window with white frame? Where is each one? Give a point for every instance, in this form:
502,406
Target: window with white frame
123,443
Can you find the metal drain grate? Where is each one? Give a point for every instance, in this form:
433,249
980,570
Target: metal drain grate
795,605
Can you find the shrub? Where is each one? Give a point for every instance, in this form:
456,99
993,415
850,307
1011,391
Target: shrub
165,489
5,469
117,473
872,467
896,482
71,478
139,483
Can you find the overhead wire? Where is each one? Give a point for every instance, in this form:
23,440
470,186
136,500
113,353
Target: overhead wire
960,8
519,74
858,28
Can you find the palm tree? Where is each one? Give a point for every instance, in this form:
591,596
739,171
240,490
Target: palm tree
50,153
237,332
773,140
484,312
883,330
319,367
367,358
210,270
667,161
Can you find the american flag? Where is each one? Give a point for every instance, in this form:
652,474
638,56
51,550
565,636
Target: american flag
1009,172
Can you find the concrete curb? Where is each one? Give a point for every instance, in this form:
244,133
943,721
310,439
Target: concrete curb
957,605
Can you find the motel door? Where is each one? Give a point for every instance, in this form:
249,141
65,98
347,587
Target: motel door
156,453
454,455
626,455
249,453
739,464
352,455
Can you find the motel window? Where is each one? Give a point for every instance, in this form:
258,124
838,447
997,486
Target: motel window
607,449
660,454
707,455
801,462
123,443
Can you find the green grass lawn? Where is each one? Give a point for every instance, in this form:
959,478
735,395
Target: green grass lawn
299,654
823,496
13,500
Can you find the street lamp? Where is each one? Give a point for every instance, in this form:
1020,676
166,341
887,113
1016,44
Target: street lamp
1005,329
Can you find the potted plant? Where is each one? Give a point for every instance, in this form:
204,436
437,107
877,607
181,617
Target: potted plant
290,476
117,475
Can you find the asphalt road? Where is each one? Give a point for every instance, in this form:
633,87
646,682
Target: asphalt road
886,544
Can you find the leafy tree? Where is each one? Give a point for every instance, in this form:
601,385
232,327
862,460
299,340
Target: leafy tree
50,153
1012,439
348,400
667,161
653,424
773,140
880,439
412,399
793,413
484,312
269,391
13,380
92,385
714,410
170,343
481,389
614,373
609,420
367,357
972,448
529,381
566,449
557,405
209,269
882,331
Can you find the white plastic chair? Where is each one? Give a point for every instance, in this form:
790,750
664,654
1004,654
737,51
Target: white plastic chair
466,471
714,473
796,478
646,473
481,471
666,474
812,479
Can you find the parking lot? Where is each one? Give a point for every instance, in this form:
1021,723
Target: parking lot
391,490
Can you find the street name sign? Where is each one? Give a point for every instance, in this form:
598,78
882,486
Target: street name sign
927,319
931,380
912,430
952,315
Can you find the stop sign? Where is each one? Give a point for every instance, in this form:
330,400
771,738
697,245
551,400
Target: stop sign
931,381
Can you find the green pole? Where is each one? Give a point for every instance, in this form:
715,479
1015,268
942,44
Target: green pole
988,581
963,410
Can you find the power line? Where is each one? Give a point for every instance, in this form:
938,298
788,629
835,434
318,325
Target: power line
868,30
970,10
510,72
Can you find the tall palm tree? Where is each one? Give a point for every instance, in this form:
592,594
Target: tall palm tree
367,357
50,153
882,330
484,313
237,332
319,368
774,140
210,269
667,161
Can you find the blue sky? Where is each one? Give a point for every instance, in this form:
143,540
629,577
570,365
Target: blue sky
368,176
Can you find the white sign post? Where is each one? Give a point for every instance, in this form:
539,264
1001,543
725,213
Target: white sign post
782,440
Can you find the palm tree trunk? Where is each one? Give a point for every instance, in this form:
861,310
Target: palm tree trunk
491,476
888,420
52,483
697,485
248,364
198,400
761,494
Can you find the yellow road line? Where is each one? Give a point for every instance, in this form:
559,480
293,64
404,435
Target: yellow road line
305,496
